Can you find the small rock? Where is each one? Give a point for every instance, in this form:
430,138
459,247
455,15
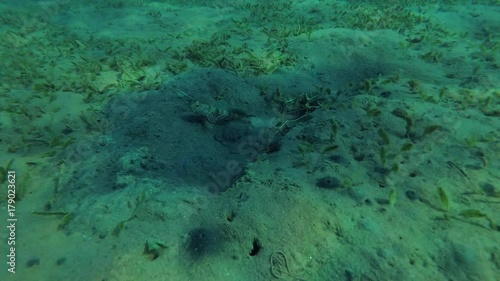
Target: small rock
411,195
339,159
386,94
33,262
329,183
61,261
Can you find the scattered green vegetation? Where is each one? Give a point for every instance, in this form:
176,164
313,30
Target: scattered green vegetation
119,228
218,51
478,214
153,248
383,155
405,116
372,112
392,198
334,131
3,171
293,110
430,129
471,141
24,180
275,26
305,147
330,148
406,147
385,137
432,56
444,199
66,220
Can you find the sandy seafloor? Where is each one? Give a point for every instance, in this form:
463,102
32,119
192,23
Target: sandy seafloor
238,140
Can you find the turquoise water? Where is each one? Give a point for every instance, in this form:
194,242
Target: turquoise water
250,140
